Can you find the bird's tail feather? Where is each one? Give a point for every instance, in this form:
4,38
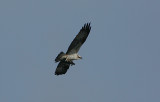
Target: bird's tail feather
58,58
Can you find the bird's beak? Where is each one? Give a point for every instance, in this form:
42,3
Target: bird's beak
79,57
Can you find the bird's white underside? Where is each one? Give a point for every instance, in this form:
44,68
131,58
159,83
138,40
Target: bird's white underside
72,57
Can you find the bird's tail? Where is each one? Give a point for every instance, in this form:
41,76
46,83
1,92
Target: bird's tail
59,57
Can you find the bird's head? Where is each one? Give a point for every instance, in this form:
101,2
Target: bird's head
79,57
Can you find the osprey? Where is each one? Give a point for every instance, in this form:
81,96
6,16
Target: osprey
66,59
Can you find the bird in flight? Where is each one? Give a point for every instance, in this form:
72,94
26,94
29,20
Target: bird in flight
66,59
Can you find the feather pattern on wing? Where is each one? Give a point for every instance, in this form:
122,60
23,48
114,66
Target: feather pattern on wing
79,39
62,67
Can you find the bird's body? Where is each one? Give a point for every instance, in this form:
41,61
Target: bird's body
66,59
70,57
74,56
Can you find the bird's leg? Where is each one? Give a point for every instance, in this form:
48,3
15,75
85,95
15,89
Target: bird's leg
72,63
69,61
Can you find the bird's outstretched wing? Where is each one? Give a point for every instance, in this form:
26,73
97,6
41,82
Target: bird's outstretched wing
79,39
62,67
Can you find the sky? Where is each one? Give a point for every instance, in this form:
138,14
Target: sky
121,57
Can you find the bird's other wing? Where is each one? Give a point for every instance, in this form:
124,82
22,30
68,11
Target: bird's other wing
62,67
79,39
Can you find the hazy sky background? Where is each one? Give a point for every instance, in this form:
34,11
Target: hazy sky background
121,57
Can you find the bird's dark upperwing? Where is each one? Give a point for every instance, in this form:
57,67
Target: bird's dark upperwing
62,67
79,39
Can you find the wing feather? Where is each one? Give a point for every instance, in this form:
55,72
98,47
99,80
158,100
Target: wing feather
62,67
79,39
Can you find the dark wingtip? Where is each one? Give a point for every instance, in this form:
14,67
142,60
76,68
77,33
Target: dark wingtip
57,74
87,27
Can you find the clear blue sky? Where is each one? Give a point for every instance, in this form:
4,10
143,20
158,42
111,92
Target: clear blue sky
121,57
